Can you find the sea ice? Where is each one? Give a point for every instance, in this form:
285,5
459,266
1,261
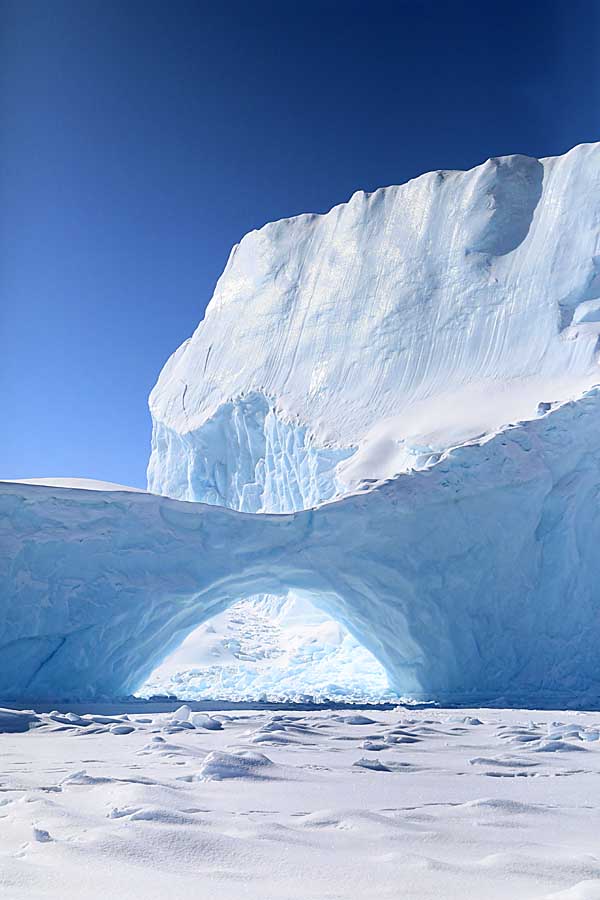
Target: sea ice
207,814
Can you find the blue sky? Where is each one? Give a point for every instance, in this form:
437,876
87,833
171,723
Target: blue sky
140,140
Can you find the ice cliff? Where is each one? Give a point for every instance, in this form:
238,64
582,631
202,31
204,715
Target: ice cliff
354,344
345,348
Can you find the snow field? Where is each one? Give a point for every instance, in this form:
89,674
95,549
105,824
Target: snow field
430,804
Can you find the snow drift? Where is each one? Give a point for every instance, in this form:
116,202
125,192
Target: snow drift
472,580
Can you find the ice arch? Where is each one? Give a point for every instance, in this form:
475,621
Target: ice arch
100,586
475,580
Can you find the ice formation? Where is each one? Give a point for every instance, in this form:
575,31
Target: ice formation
471,580
351,345
348,347
341,360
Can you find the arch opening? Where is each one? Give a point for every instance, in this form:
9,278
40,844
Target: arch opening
272,648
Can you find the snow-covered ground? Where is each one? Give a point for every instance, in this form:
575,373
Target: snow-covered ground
276,649
300,805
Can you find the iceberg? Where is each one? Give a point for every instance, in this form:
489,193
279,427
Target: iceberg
344,348
389,410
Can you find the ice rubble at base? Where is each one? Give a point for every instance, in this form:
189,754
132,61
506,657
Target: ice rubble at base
345,348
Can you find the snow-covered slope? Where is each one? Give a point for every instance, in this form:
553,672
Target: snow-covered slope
353,344
82,484
475,579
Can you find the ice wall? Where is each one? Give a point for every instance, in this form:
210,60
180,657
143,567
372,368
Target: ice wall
472,580
345,348
245,457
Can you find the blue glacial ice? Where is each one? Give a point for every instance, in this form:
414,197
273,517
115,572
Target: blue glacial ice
472,580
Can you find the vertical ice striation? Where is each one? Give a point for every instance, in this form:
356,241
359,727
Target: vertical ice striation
245,457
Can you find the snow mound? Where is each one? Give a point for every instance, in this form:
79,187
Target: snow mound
220,765
82,484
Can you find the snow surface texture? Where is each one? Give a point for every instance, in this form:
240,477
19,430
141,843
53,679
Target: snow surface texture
474,578
300,806
352,345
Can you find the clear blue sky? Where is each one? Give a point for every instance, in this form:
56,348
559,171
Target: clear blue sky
140,140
